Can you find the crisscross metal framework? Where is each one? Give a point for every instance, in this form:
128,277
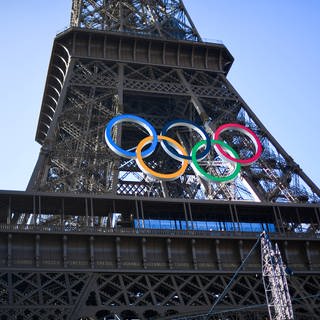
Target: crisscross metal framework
104,75
93,237
156,18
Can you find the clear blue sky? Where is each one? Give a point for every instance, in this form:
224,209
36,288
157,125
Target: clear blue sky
275,44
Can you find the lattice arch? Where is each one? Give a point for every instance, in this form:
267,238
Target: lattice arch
80,295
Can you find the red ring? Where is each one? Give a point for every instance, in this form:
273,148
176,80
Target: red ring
247,132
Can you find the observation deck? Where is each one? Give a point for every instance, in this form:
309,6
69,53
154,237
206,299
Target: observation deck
80,232
123,47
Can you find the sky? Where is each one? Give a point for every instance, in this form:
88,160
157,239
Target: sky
275,44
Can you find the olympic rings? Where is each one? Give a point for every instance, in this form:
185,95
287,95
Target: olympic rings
249,133
190,125
162,176
178,152
195,165
138,120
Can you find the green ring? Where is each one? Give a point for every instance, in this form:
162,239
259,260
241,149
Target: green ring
208,176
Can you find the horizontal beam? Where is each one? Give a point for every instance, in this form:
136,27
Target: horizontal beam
141,252
146,50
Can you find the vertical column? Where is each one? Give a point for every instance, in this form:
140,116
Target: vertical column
191,217
235,217
91,213
137,227
169,253
118,252
194,254
87,212
142,213
9,259
118,108
241,250
62,215
120,87
37,251
307,246
144,253
65,251
217,242
185,211
92,252
278,221
34,209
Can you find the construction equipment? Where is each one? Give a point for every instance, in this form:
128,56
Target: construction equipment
274,276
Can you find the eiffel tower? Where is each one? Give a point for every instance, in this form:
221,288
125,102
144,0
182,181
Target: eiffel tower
94,237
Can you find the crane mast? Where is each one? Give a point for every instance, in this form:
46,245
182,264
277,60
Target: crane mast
275,281
274,277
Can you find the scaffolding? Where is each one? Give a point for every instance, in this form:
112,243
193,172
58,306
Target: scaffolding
274,277
275,283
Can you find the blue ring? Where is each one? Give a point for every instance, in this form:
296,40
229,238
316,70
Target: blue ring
197,128
138,120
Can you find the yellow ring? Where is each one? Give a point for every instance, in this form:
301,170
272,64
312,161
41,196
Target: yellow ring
161,176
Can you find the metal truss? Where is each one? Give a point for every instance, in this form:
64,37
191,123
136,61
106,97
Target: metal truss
84,295
275,281
156,18
64,254
96,73
65,257
78,160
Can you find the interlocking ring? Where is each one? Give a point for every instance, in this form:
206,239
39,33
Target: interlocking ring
190,125
178,152
249,133
205,175
135,119
162,176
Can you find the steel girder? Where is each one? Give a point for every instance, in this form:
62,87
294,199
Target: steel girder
62,257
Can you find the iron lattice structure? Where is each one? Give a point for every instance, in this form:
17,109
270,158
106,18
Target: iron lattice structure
156,18
93,237
122,58
71,262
